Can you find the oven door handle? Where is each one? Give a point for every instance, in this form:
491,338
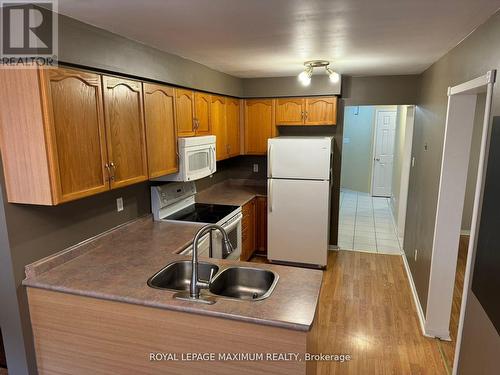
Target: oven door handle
233,223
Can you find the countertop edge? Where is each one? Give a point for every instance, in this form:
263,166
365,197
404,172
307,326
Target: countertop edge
183,309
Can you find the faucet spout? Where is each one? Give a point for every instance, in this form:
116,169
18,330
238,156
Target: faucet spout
196,283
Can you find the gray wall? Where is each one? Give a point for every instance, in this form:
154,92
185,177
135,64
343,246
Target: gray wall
357,149
473,57
380,90
288,86
86,45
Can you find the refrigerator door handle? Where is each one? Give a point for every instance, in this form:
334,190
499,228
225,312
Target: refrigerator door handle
270,195
270,159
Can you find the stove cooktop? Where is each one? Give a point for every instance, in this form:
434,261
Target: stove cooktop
202,213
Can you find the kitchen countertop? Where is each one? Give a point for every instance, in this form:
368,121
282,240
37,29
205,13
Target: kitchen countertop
233,192
116,266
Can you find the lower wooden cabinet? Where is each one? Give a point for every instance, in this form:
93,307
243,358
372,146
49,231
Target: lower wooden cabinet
248,230
254,228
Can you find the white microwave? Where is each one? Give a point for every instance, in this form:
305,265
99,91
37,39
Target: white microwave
196,159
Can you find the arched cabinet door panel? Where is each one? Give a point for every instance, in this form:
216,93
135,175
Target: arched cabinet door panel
124,120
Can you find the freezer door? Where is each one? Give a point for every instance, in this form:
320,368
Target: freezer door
298,220
300,158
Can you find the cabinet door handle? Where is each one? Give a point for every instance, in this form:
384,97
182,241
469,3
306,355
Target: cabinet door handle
109,171
113,169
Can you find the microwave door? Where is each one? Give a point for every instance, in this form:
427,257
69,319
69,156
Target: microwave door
199,163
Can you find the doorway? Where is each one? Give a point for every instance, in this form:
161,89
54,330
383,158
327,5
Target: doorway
376,156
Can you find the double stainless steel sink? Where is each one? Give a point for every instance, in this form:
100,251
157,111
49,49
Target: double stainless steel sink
240,283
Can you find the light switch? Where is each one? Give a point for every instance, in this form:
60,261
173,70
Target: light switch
256,168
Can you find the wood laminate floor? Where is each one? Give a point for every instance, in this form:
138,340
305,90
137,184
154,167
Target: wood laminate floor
366,310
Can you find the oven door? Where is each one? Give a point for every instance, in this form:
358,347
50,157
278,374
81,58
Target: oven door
199,162
233,230
203,247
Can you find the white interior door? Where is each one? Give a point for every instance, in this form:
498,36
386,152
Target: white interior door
383,153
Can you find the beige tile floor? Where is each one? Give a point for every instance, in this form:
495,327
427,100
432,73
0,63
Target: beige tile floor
366,224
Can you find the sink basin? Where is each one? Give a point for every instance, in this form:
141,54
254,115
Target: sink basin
177,275
244,283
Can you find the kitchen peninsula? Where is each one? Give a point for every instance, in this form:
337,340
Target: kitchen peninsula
96,293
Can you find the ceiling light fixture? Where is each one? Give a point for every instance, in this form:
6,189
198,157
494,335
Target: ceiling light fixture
305,76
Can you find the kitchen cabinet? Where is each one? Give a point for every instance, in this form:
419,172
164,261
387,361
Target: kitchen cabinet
159,117
290,111
184,108
124,121
306,111
233,126
248,230
202,113
192,113
261,224
218,122
225,124
321,111
259,125
52,135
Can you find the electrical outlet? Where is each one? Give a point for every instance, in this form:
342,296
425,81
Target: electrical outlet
119,204
256,168
413,161
416,254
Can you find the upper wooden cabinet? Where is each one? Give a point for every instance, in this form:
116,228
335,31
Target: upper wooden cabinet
218,122
184,105
306,111
124,120
233,126
259,125
321,111
225,123
52,135
290,111
202,113
192,112
159,115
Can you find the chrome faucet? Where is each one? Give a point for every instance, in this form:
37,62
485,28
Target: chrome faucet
197,284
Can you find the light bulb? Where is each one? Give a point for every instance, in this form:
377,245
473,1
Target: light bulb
305,77
334,76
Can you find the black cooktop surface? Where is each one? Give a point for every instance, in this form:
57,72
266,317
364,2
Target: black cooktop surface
203,213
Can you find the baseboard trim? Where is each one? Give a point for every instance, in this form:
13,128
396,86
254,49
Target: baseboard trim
465,232
333,247
420,312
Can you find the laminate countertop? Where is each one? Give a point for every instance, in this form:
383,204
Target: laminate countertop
233,192
116,266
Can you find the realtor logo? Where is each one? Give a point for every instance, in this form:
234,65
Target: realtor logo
29,33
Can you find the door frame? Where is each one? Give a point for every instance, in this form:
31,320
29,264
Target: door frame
374,141
402,204
452,185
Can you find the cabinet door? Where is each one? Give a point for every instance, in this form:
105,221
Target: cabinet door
321,111
290,111
218,122
261,224
125,131
202,113
74,107
184,107
259,125
248,230
233,126
159,115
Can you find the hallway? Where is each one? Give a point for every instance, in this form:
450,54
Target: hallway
366,224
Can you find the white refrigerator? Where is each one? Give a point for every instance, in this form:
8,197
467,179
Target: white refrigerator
299,185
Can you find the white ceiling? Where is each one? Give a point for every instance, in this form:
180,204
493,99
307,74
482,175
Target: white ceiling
263,38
